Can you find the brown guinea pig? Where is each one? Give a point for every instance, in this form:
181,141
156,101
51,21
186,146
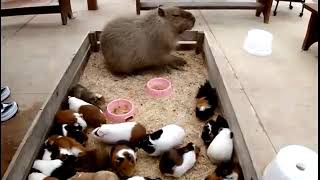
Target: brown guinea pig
70,117
123,160
100,175
91,114
227,170
81,92
156,33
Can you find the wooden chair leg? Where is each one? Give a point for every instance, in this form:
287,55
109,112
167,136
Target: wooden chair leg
65,10
312,33
138,7
92,4
267,10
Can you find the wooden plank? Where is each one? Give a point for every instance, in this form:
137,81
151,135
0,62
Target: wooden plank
240,147
28,150
147,5
30,10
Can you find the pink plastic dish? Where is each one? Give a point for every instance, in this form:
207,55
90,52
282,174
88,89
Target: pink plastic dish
158,87
115,105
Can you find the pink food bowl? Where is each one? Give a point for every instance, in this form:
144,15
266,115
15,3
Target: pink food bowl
120,110
158,87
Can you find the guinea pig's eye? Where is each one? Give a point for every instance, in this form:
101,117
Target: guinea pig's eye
119,160
175,15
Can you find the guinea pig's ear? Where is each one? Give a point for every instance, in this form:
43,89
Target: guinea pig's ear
161,12
119,160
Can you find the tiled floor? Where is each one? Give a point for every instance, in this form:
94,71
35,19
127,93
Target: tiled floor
37,49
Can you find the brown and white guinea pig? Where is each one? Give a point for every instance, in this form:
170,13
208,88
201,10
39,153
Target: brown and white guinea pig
100,175
73,131
227,171
142,178
56,147
40,176
206,101
131,132
123,160
81,92
156,33
70,117
91,114
162,140
211,128
221,148
178,161
55,168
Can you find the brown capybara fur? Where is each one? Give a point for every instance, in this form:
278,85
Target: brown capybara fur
85,94
131,44
65,117
123,160
92,115
100,175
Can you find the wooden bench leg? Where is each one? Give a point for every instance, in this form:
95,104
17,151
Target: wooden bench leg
138,6
266,10
312,32
65,10
92,4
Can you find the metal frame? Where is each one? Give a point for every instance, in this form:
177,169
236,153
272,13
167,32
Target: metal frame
261,6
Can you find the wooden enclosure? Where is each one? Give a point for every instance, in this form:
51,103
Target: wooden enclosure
261,6
28,150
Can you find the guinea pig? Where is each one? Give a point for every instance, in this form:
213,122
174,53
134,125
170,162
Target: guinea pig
65,145
132,132
177,161
207,101
81,92
162,140
123,160
91,114
142,178
227,171
55,168
71,118
211,128
156,33
100,175
221,148
40,176
73,131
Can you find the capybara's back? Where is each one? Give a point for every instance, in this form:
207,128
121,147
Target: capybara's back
130,44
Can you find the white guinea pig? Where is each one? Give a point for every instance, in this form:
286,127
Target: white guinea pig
131,132
221,148
163,140
40,176
75,103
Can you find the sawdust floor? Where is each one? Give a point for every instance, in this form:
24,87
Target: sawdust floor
155,113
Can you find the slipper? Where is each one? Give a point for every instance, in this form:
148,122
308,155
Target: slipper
8,110
5,93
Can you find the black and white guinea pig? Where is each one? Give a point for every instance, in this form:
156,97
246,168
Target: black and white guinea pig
70,117
73,131
81,92
221,148
91,114
142,178
211,128
40,176
131,132
177,161
55,168
163,140
58,147
206,101
123,160
227,171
